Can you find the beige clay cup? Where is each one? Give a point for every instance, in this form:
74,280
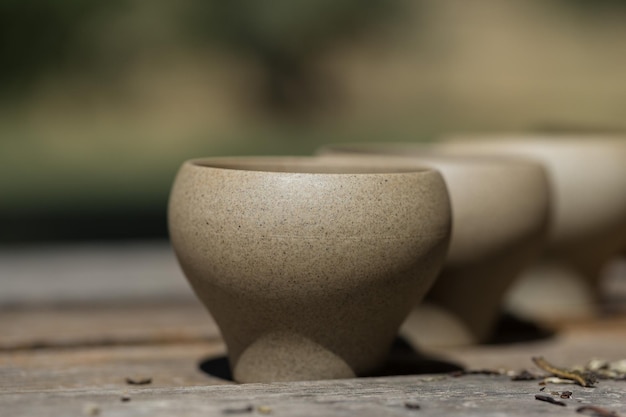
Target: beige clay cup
588,178
308,266
500,212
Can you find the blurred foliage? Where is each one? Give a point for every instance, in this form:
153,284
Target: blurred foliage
285,37
42,36
591,5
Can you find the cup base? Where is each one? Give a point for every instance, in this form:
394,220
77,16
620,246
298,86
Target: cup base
431,326
552,292
285,356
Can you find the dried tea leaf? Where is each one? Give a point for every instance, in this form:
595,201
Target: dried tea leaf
138,381
582,378
242,410
607,370
91,409
549,399
556,380
411,405
592,410
524,375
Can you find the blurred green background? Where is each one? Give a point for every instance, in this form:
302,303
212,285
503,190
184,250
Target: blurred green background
101,101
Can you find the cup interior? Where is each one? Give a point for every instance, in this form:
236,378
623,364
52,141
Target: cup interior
528,142
309,165
432,152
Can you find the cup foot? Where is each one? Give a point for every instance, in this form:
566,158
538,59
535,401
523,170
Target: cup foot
552,292
284,356
431,326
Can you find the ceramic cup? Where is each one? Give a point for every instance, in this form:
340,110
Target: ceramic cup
500,212
588,178
308,266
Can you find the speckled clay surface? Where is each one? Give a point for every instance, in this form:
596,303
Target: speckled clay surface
588,177
500,216
309,267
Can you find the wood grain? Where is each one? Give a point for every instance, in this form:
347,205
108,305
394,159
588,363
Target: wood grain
102,325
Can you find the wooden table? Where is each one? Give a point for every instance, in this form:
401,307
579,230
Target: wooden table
78,323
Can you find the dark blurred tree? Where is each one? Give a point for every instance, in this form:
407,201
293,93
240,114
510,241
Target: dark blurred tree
285,38
42,36
592,5
593,10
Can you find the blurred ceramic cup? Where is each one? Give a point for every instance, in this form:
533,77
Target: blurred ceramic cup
308,266
500,210
588,178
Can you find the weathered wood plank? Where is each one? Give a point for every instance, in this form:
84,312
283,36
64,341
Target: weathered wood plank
90,272
80,321
401,396
118,271
101,325
61,368
189,323
98,368
574,344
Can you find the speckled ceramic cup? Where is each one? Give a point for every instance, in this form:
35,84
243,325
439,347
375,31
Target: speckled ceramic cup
308,266
588,178
500,212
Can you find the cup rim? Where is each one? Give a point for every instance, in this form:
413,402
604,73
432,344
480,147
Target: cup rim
423,153
557,140
307,165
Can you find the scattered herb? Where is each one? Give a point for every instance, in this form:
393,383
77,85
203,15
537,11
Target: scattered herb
608,370
433,378
264,409
490,372
91,409
124,398
566,394
592,410
549,399
243,410
584,379
524,376
556,380
140,381
411,405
